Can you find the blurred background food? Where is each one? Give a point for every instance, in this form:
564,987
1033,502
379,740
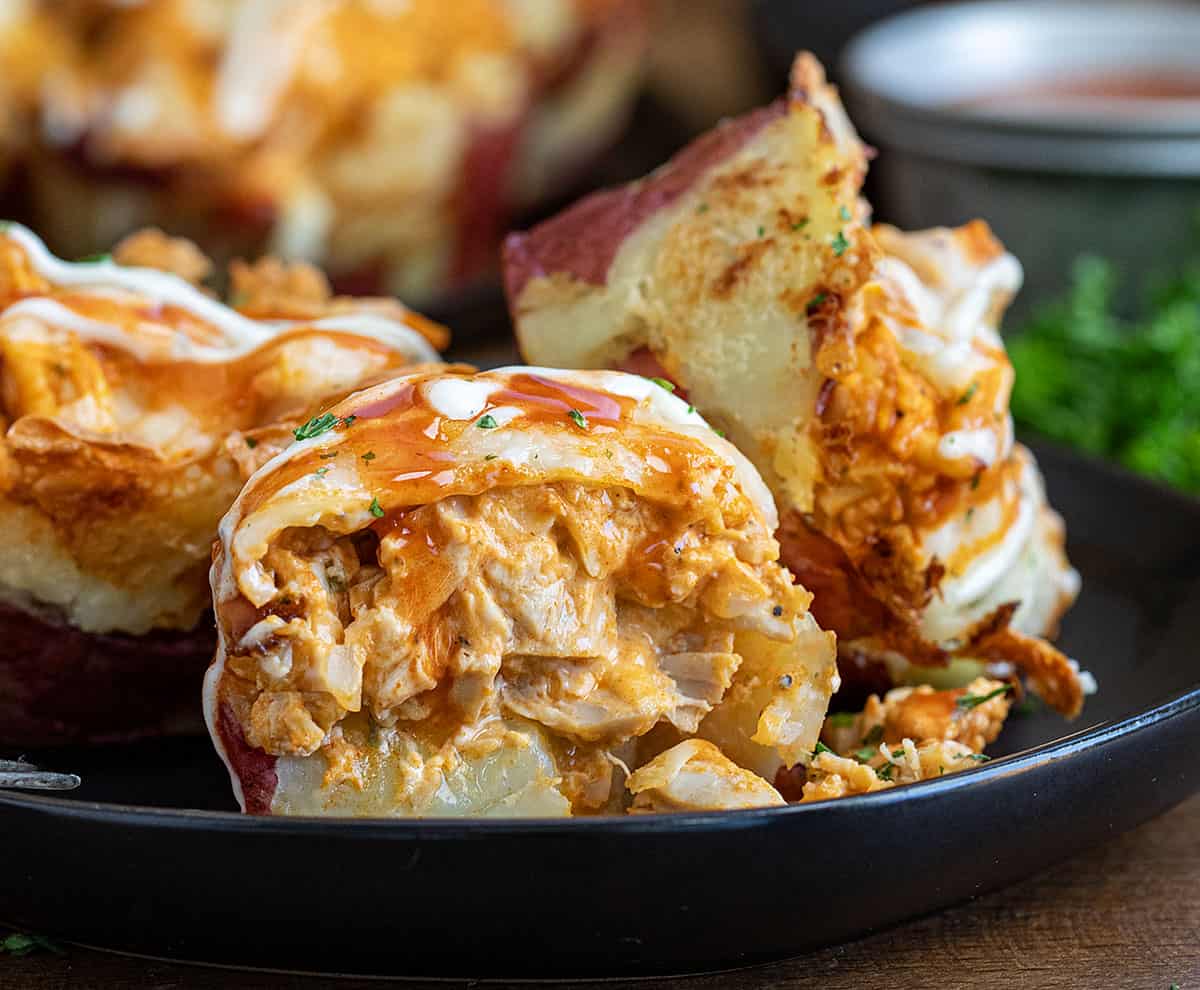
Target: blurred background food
393,141
390,141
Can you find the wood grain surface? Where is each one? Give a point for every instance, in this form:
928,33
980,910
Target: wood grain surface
1124,916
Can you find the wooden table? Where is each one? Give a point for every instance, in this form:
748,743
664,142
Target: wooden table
1126,915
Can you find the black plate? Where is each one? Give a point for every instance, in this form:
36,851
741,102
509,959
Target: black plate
128,862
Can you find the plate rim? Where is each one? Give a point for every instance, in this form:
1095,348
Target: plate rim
1070,746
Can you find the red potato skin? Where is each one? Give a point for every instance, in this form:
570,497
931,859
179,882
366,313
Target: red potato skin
253,768
583,240
60,685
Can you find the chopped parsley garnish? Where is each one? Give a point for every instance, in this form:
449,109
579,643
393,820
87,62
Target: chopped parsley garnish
578,418
719,432
969,394
866,754
874,736
321,472
800,224
691,409
815,302
844,213
251,442
375,508
316,426
349,420
702,208
761,230
369,455
978,757
94,259
885,771
969,701
663,383
975,480
18,944
839,244
487,422
842,720
822,748
489,457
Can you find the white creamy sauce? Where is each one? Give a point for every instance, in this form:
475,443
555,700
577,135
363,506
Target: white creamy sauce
458,398
246,537
980,444
503,415
242,335
952,322
659,406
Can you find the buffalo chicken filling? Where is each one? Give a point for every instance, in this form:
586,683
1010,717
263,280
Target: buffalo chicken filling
560,618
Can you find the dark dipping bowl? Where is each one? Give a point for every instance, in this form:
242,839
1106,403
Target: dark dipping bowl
1070,127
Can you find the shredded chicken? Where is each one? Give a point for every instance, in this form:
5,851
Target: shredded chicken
924,714
913,733
592,613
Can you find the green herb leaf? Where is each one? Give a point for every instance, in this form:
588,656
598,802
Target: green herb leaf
663,383
490,457
885,772
375,508
815,302
969,394
842,720
822,748
691,409
251,442
578,418
1126,389
866,754
18,944
874,736
761,230
978,757
839,244
321,472
800,224
968,701
316,426
94,259
369,455
487,422
844,213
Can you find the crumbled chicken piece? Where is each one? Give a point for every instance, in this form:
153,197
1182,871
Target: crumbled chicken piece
925,714
833,776
696,776
151,248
